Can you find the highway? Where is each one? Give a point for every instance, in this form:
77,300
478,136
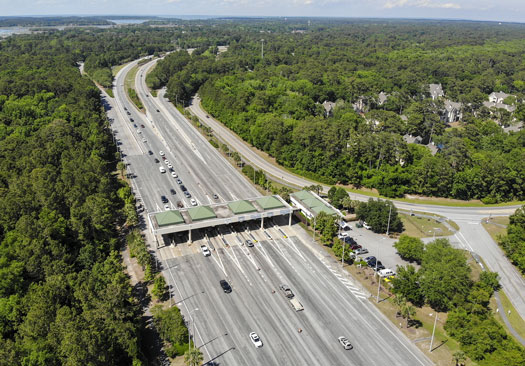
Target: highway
334,305
471,235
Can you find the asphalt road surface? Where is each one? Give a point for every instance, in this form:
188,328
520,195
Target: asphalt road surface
332,307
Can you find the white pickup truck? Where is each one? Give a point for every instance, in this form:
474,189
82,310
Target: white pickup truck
296,305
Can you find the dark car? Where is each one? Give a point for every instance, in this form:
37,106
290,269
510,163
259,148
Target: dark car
157,160
225,286
142,126
182,187
150,152
164,199
131,120
180,204
355,246
187,194
368,259
135,125
349,240
172,191
215,197
158,110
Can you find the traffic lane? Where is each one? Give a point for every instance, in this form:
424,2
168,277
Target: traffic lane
239,310
325,316
319,325
371,324
476,238
279,324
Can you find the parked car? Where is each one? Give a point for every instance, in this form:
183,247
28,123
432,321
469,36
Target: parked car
256,340
158,110
193,202
174,175
225,286
157,161
179,181
249,243
183,187
166,207
142,126
187,194
215,197
161,153
371,258
355,246
360,251
387,272
170,166
345,343
172,191
164,199
180,204
342,235
205,251
349,240
150,152
366,226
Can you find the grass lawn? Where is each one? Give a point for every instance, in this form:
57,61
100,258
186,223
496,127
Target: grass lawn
421,227
116,69
495,230
514,318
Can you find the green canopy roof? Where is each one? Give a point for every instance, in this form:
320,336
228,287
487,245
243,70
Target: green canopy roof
303,195
312,202
240,207
269,202
169,218
201,213
323,208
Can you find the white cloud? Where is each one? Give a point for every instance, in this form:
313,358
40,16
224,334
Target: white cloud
390,4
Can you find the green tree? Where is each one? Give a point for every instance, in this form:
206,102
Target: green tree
459,358
193,357
377,213
407,312
159,287
406,284
410,248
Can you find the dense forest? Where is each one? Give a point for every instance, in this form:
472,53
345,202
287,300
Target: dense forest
275,102
64,298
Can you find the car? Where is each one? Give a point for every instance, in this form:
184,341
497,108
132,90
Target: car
178,181
157,161
387,272
150,152
360,251
174,175
371,258
125,109
355,246
139,131
207,116
215,197
205,251
170,166
180,204
129,114
135,125
249,243
366,226
345,343
144,140
161,153
342,235
287,291
162,170
131,120
225,286
193,202
187,194
158,111
172,191
349,240
166,207
389,278
183,187
164,199
256,340
142,126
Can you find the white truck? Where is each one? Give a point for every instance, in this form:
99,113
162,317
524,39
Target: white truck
296,305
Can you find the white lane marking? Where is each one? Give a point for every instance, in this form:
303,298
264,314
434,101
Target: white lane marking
463,241
352,288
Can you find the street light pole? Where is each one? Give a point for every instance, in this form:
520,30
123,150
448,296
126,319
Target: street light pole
433,331
389,214
342,257
189,335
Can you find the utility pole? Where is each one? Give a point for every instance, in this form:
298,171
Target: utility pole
389,214
433,331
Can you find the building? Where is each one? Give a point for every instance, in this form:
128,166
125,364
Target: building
311,204
436,91
508,108
498,97
328,108
452,112
382,98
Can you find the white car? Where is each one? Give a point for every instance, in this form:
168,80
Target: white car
161,153
174,175
193,202
256,340
139,131
167,207
170,166
342,235
345,343
205,251
166,161
366,226
387,272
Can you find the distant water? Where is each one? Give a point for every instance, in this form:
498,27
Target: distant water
4,32
128,21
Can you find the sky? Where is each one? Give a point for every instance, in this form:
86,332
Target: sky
497,10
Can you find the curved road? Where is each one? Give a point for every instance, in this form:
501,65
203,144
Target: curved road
471,235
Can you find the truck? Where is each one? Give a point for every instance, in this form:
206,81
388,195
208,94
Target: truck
296,305
287,291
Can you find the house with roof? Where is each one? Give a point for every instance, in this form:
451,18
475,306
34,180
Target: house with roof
382,98
328,108
311,204
436,91
452,112
508,108
498,97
